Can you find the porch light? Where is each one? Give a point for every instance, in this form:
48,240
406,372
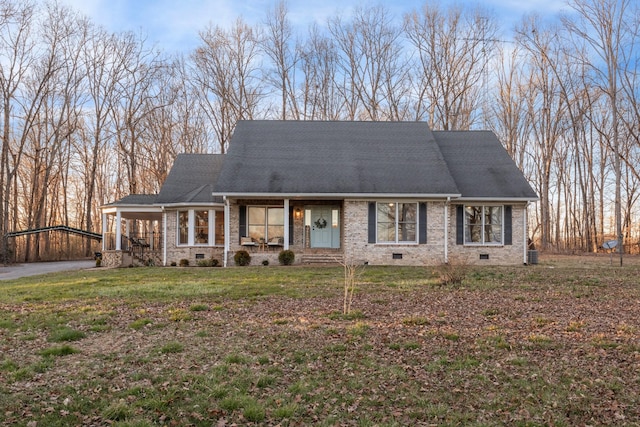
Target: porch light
297,213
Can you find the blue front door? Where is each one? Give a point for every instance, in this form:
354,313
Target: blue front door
324,222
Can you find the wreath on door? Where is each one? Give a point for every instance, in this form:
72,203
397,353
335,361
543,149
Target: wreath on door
321,223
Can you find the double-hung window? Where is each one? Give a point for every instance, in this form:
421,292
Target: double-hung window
183,227
483,225
201,227
397,222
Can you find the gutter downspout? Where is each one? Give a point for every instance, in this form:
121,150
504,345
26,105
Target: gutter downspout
446,230
524,234
226,231
164,236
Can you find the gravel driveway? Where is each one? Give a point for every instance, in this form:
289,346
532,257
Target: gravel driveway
16,271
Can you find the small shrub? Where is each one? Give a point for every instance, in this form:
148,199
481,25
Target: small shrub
265,262
211,262
199,307
242,258
286,257
173,264
98,262
453,273
184,262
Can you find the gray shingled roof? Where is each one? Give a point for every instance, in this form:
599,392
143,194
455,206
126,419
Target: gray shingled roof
349,158
135,200
481,167
191,180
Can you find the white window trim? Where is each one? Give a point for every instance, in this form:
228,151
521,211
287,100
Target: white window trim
400,242
191,228
483,243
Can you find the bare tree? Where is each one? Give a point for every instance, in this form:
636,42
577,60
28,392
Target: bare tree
511,121
135,94
547,110
226,74
319,64
16,49
281,48
371,62
610,30
102,73
453,48
57,76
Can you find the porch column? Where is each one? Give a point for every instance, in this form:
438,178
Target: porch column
104,232
164,237
127,233
118,231
152,234
286,224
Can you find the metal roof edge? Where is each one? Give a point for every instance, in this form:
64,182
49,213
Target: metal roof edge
497,199
338,195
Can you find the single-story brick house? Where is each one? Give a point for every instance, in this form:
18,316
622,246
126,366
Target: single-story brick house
392,193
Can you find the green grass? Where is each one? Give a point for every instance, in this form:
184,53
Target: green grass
66,334
58,351
168,346
172,347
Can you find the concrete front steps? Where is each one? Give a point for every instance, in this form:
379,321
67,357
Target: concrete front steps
322,258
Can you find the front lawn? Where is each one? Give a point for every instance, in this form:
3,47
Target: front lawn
553,344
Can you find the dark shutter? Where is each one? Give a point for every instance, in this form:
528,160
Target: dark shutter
243,222
508,228
459,225
372,222
422,223
290,225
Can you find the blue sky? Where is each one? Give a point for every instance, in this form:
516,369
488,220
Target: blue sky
173,25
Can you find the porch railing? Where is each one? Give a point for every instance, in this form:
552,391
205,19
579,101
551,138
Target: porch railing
134,241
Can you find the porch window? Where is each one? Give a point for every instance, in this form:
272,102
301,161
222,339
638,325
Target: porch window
397,222
200,227
183,227
265,222
483,225
219,228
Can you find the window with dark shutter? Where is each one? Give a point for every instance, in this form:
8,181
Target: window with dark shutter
372,222
422,223
459,225
243,222
508,225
